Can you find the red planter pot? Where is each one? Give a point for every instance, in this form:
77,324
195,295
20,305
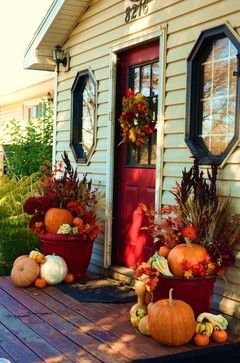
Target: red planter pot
197,292
75,251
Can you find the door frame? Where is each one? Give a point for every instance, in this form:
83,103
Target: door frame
160,34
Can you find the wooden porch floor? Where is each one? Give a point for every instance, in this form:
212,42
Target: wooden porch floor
49,326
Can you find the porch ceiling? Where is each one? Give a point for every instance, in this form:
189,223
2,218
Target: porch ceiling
59,21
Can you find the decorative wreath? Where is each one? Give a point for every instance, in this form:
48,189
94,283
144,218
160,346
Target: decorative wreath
136,119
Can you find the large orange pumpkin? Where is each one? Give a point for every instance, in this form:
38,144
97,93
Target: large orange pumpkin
191,253
25,272
55,217
171,322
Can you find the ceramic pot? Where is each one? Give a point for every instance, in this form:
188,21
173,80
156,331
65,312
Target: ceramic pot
75,250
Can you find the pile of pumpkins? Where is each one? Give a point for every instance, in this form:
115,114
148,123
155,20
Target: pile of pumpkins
40,270
172,322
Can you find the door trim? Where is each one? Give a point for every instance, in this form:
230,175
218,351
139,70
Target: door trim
160,34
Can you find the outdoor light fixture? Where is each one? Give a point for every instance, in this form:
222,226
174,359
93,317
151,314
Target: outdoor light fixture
61,57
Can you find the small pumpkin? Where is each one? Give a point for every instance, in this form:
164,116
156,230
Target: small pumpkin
220,336
54,270
143,326
69,278
55,217
201,340
171,322
37,256
185,252
164,251
40,283
24,272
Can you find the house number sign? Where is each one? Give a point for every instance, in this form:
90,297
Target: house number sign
138,8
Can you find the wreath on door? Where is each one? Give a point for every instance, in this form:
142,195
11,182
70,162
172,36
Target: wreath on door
136,119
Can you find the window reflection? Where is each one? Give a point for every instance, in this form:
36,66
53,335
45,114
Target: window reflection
217,104
89,106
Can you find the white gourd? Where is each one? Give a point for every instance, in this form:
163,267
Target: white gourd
54,270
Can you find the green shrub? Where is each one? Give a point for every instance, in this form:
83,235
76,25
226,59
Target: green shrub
29,146
16,239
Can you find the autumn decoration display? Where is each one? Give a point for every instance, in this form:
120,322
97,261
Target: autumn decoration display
194,243
136,120
197,233
65,204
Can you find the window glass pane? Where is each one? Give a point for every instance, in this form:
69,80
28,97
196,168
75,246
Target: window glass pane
88,109
232,78
136,79
132,155
146,80
220,79
143,155
155,79
153,148
217,96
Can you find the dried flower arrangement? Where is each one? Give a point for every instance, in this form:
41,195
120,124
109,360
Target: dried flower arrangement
136,119
200,219
60,190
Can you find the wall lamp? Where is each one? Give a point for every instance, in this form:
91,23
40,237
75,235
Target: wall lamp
61,57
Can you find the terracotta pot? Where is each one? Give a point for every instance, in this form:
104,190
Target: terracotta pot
75,251
197,292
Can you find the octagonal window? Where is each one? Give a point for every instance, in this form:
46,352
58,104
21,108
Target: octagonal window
83,116
212,127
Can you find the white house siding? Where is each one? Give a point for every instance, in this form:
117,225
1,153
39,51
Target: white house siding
101,27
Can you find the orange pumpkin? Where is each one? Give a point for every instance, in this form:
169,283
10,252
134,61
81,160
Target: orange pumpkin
164,251
19,258
55,217
25,272
185,252
77,221
171,322
69,278
219,336
201,340
40,283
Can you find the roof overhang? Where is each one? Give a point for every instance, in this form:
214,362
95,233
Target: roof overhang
61,18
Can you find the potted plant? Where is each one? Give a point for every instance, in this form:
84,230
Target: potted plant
64,215
194,240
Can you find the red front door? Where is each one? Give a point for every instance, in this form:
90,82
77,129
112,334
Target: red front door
135,167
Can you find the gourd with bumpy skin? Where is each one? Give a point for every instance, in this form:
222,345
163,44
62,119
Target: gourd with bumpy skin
24,272
55,217
54,270
136,316
37,256
171,322
204,328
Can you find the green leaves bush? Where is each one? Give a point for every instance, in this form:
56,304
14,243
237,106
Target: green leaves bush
29,145
16,239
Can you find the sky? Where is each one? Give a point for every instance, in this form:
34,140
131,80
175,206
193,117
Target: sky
19,19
